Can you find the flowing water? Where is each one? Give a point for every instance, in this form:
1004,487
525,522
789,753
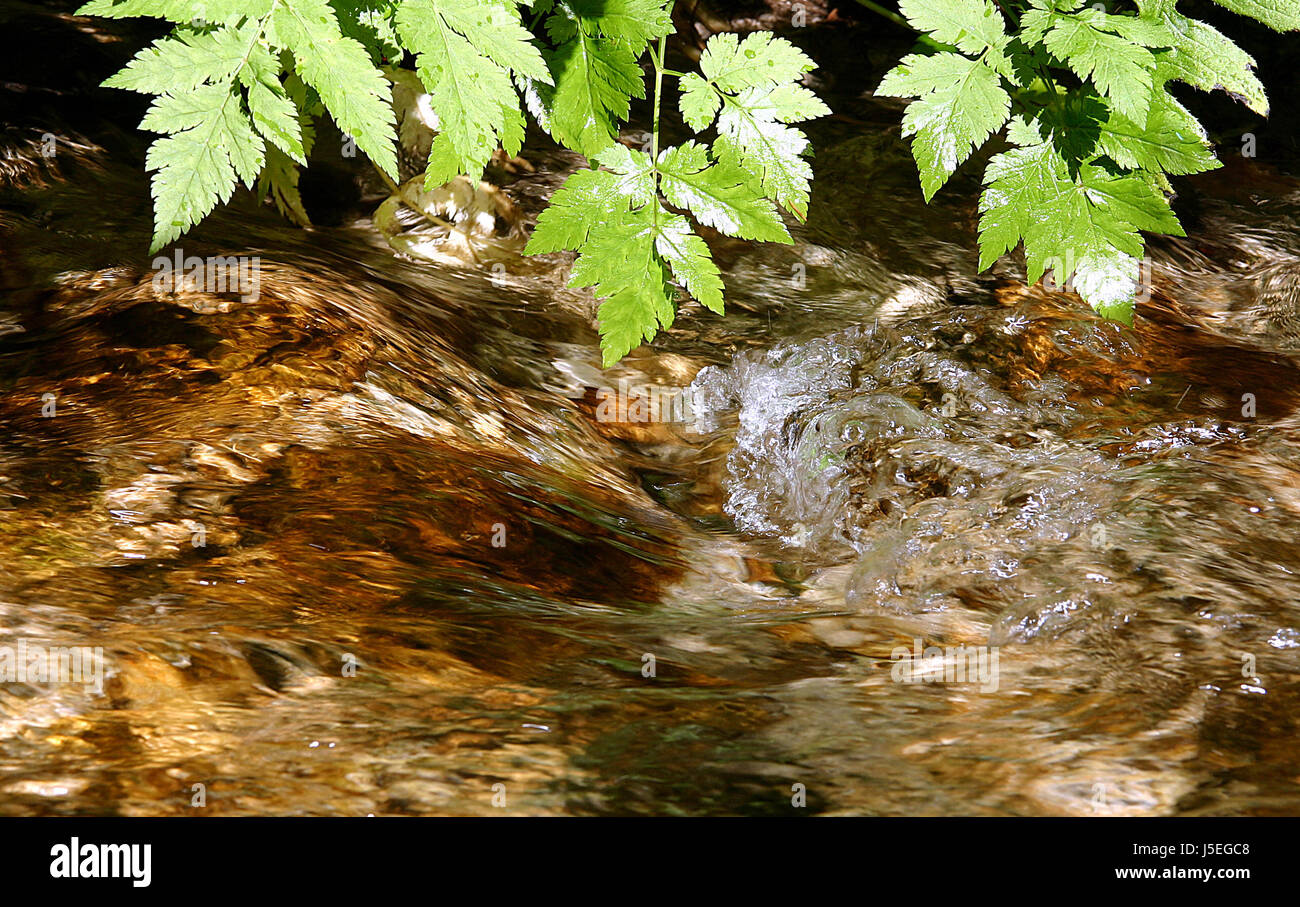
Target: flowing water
366,544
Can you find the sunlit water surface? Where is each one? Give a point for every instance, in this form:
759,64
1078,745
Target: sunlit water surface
362,545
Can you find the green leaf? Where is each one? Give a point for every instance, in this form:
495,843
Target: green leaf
183,61
493,27
1041,17
1085,225
595,69
339,69
587,199
466,51
733,64
699,102
787,103
208,141
961,103
1072,126
1128,199
627,237
969,25
625,241
750,85
1203,57
637,22
276,118
753,138
279,182
1169,139
631,316
1016,181
634,22
1279,15
689,259
595,79
182,12
1092,46
195,169
370,23
624,262
718,194
768,151
635,173
246,148
621,264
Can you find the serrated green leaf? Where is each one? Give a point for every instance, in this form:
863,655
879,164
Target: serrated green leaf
279,182
918,74
634,22
625,256
246,148
1146,32
620,263
370,23
1040,18
634,171
587,199
961,103
718,195
623,317
767,150
786,103
1204,58
1089,44
1085,225
184,60
1128,198
628,236
969,25
750,84
1169,139
595,79
1072,126
1029,195
339,69
699,102
174,113
192,169
1016,181
493,28
1279,15
261,65
208,140
469,85
182,12
276,118
687,256
756,61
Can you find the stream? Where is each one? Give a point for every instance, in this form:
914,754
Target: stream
367,541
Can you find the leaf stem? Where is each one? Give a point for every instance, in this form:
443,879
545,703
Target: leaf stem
658,56
1046,76
392,186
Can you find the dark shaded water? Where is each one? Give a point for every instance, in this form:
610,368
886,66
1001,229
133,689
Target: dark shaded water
362,545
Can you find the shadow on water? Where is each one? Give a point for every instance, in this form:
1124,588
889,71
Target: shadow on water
360,545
